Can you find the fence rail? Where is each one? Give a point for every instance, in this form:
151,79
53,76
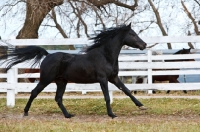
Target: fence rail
85,41
126,62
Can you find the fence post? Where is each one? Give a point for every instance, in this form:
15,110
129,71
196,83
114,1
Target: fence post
84,91
11,79
15,78
149,55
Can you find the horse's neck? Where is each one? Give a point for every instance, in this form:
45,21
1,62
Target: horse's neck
112,50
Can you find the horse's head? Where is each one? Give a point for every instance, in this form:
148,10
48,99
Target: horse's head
133,40
183,51
186,51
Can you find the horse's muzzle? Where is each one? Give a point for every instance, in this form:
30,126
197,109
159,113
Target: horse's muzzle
143,46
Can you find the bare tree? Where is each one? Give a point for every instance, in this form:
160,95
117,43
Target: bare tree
159,22
37,10
194,22
53,16
78,13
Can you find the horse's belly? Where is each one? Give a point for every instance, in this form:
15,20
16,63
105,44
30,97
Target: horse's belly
81,80
79,76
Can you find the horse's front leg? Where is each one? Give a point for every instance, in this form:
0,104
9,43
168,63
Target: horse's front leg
117,82
104,87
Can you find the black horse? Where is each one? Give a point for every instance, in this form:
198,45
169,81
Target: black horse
99,64
170,78
173,78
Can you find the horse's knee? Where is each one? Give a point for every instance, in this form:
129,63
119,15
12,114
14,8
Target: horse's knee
37,90
58,100
107,98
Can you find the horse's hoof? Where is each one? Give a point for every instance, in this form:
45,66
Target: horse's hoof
69,116
112,116
142,108
185,91
25,113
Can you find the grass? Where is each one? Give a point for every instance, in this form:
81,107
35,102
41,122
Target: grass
165,114
121,107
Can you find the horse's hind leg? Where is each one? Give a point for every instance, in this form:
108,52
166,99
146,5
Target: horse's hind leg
175,81
34,94
61,86
134,80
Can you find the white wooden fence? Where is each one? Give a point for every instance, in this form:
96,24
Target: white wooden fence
12,86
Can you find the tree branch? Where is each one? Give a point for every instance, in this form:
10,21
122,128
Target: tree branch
71,47
151,46
189,43
159,22
101,3
101,20
191,18
197,2
78,14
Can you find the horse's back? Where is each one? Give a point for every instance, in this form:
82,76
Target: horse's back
55,58
52,65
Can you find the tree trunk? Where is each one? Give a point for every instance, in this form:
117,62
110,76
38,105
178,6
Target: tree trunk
36,10
189,43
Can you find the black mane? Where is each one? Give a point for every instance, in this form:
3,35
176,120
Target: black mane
104,36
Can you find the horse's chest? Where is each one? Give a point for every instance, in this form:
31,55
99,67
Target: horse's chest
112,71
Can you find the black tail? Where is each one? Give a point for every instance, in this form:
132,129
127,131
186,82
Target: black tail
19,55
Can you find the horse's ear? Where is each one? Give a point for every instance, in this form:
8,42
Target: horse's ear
129,25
